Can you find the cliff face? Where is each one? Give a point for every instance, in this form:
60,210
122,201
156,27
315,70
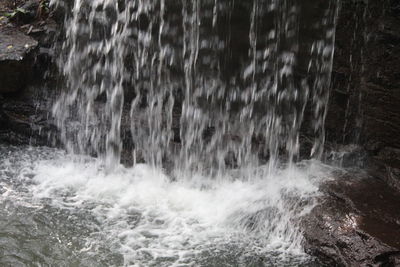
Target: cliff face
355,223
25,56
365,95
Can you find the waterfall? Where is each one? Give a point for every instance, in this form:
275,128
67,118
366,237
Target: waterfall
201,96
216,94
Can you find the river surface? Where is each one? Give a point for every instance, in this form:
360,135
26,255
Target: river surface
63,210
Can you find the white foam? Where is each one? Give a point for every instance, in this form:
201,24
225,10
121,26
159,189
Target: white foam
145,216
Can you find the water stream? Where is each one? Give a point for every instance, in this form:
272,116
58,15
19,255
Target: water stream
208,98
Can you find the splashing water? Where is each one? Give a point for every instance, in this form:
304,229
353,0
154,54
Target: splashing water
214,94
138,217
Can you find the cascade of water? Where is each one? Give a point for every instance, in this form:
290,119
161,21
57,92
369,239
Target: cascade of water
202,97
93,65
322,52
214,90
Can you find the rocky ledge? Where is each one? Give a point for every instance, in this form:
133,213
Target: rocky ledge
25,58
357,223
16,59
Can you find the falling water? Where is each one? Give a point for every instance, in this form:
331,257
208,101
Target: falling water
189,105
215,95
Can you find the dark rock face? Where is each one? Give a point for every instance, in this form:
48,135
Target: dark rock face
365,97
355,223
386,166
25,121
25,77
16,59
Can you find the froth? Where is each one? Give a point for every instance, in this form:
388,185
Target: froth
147,216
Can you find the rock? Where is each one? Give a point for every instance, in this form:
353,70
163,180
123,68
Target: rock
45,34
26,13
386,166
16,61
26,123
3,117
391,156
365,95
348,156
27,81
355,223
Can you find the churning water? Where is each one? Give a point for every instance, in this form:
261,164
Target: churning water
207,97
64,210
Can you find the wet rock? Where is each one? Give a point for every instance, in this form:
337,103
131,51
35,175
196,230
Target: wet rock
3,116
26,122
16,59
355,223
365,95
348,156
45,33
391,156
24,104
27,12
386,165
27,79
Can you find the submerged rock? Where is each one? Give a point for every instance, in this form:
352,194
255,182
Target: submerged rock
355,224
16,60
